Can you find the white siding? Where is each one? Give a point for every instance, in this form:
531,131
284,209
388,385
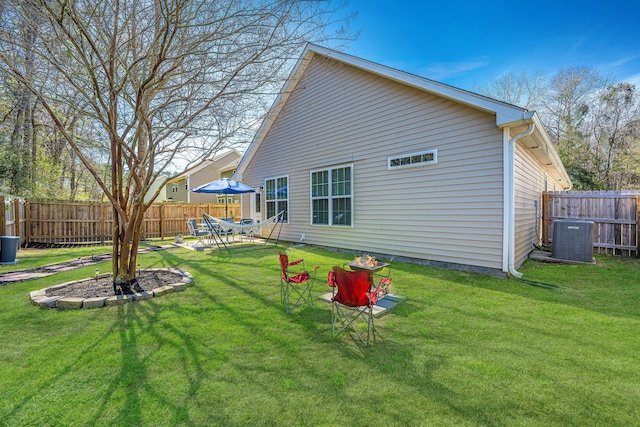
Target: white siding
448,212
529,185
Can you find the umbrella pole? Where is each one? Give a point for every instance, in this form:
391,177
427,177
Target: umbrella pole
226,216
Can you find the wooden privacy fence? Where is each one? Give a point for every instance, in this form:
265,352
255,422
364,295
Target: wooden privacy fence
616,217
615,214
54,222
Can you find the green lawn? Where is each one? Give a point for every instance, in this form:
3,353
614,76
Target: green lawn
462,349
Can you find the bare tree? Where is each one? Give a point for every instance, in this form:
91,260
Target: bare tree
19,162
523,89
615,136
571,92
156,79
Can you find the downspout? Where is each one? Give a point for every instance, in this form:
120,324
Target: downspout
510,195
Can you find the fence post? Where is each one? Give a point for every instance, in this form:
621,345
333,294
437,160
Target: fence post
27,222
16,216
162,221
3,217
637,225
545,216
103,225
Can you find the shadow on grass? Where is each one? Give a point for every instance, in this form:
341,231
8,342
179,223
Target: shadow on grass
133,371
435,352
243,291
131,385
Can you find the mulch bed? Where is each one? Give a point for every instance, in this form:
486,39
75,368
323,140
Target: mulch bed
103,286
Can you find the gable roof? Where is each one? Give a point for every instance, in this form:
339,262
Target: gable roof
190,171
507,115
194,169
231,165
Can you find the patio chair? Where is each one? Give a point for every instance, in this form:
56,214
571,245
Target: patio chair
195,231
226,230
295,286
248,234
354,301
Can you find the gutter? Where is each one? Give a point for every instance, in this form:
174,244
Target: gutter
509,193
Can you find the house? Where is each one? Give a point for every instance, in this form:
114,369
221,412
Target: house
155,185
369,159
222,165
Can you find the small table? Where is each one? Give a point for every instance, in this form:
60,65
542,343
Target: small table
355,266
359,267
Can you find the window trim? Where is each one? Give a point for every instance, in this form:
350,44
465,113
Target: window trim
330,197
276,200
433,151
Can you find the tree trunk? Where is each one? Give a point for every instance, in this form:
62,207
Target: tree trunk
127,232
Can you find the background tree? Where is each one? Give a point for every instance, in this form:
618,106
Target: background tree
524,90
150,80
35,162
567,103
20,149
592,123
615,140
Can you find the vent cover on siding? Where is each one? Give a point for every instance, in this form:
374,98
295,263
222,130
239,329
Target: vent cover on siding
573,240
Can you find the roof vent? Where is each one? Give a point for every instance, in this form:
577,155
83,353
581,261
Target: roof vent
573,240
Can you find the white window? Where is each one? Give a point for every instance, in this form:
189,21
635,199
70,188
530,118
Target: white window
332,196
276,195
174,187
258,208
427,157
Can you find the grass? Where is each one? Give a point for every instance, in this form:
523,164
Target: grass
462,349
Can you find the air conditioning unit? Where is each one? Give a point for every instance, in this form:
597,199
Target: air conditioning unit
572,240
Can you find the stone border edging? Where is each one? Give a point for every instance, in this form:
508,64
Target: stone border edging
41,299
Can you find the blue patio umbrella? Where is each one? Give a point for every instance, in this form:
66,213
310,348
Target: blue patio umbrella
224,186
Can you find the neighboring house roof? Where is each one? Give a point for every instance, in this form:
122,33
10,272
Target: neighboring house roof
507,115
194,169
229,166
187,172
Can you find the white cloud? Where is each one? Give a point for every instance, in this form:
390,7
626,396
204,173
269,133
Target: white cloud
443,70
620,62
622,67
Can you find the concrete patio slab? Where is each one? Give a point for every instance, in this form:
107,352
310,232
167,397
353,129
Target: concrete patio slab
383,306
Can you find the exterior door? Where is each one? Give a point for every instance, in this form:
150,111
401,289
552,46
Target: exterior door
256,206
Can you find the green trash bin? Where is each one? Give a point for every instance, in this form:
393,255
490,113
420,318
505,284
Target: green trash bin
8,249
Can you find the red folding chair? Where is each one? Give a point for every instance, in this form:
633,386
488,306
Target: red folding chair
295,283
354,300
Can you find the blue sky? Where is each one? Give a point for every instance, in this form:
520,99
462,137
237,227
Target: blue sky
469,43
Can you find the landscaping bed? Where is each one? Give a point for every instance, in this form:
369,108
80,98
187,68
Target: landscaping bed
99,291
